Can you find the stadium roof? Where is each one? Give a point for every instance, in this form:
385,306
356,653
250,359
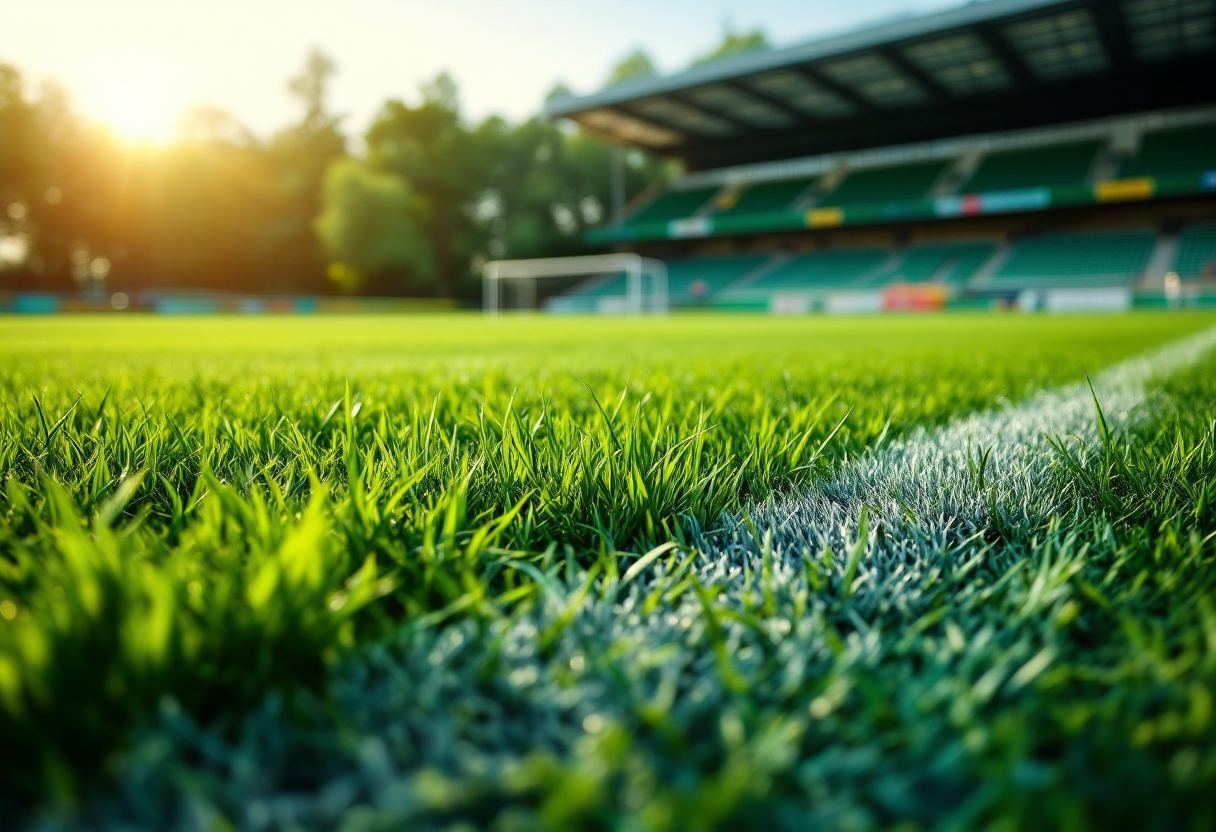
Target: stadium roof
992,65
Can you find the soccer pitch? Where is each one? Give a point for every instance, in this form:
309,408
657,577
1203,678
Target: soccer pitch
657,574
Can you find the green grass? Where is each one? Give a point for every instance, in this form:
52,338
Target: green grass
238,555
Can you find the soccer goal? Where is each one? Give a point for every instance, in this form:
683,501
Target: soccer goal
643,290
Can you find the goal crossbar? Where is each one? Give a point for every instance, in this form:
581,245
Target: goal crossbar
633,266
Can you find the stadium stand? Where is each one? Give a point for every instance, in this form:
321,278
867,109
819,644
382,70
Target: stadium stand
999,120
672,205
690,282
1054,165
1197,252
767,197
1172,152
696,280
950,263
586,297
1095,259
818,270
887,184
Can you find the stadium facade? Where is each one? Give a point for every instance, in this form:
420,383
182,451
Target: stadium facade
1057,153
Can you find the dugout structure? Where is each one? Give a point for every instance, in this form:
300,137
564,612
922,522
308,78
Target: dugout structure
643,281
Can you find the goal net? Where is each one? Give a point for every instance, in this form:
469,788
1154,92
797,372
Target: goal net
608,283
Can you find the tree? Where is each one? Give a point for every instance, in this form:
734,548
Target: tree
210,125
636,64
443,93
428,199
431,151
299,157
734,43
18,158
372,226
545,188
18,133
217,209
558,90
311,87
196,215
58,186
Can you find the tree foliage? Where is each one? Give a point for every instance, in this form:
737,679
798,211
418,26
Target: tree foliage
636,64
428,198
479,192
734,43
372,225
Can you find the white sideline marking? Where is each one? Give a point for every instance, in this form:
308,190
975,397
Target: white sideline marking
925,478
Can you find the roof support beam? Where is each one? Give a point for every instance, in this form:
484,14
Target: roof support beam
684,130
798,116
714,112
924,80
1112,31
850,95
1009,59
615,138
629,110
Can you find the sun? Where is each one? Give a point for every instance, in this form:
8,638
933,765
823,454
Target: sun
136,104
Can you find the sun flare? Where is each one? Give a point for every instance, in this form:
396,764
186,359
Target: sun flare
136,105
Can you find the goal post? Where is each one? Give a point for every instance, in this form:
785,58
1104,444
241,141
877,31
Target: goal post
645,278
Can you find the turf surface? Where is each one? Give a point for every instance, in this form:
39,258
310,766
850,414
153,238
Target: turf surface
366,573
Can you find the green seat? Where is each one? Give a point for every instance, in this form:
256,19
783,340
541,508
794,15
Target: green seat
672,205
953,262
585,297
715,273
891,184
1077,260
1056,165
820,270
1174,152
1196,251
768,197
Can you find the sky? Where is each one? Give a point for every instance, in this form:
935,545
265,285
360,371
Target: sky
138,64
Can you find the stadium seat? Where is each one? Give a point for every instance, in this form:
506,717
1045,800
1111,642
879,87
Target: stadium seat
586,296
691,281
767,197
1197,251
1174,152
673,205
1055,165
1112,258
817,270
953,262
890,184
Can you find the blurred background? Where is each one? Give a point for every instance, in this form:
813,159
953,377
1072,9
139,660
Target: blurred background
329,148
